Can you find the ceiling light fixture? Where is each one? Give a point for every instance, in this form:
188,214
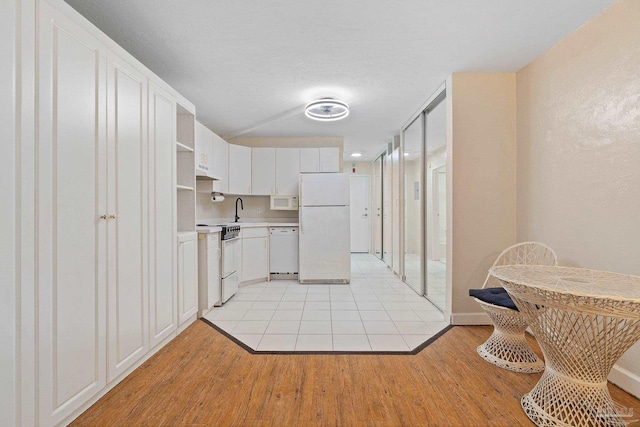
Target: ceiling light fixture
356,154
327,110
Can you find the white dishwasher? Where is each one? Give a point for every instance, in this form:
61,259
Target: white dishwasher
283,251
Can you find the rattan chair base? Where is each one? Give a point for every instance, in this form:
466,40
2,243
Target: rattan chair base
573,403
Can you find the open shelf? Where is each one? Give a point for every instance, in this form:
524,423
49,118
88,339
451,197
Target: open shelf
181,147
184,187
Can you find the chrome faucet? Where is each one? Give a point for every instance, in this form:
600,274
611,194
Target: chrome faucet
241,207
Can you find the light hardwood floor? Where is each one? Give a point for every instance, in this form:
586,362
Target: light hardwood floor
202,378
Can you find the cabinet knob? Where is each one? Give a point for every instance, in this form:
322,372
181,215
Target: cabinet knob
103,217
112,216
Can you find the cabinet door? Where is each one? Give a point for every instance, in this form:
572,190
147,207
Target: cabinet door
187,276
162,223
209,255
263,171
287,171
309,160
255,262
207,142
239,169
127,208
71,192
220,164
200,152
329,159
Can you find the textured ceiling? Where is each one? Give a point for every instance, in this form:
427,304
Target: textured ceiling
245,62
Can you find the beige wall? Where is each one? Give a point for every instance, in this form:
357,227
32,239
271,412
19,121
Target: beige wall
482,112
579,147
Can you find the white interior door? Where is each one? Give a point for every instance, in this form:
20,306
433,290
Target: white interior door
360,217
377,208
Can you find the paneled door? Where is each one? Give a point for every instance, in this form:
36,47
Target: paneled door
377,207
72,216
127,213
162,241
360,218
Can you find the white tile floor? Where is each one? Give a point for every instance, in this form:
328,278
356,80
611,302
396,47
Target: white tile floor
376,312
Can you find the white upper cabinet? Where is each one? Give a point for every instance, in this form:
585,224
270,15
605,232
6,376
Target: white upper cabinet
205,155
329,159
239,169
220,164
263,171
287,171
72,216
128,294
309,160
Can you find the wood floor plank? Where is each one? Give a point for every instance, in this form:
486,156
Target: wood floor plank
202,378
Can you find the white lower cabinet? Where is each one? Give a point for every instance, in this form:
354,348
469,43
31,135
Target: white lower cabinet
187,276
255,254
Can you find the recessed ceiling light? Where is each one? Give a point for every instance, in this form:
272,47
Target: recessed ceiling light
356,154
327,110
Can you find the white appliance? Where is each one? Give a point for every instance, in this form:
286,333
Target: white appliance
324,251
284,203
283,253
231,259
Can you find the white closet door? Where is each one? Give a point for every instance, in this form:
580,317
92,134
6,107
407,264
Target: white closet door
127,209
71,279
263,171
162,241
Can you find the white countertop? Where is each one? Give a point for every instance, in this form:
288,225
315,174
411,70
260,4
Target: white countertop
206,230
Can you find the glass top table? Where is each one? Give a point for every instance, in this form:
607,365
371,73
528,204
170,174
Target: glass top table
584,320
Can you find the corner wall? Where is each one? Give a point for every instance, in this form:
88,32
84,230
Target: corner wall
482,157
578,152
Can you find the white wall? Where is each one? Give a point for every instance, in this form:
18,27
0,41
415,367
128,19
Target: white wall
579,151
8,273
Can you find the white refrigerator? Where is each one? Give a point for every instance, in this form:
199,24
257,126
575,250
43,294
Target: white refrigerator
324,239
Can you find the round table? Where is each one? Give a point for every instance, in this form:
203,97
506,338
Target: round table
583,320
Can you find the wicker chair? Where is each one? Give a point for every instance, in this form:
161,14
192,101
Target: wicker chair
507,346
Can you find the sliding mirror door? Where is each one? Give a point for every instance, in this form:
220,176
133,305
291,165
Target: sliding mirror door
413,143
435,205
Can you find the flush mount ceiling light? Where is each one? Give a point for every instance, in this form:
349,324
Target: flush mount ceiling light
356,154
327,110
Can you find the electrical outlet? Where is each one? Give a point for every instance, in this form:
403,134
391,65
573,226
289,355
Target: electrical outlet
258,210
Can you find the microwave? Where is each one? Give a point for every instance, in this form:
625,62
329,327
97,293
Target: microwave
284,203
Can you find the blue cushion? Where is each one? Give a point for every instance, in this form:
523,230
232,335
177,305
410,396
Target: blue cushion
495,296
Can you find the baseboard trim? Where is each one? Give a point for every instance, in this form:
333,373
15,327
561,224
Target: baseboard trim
462,319
626,380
